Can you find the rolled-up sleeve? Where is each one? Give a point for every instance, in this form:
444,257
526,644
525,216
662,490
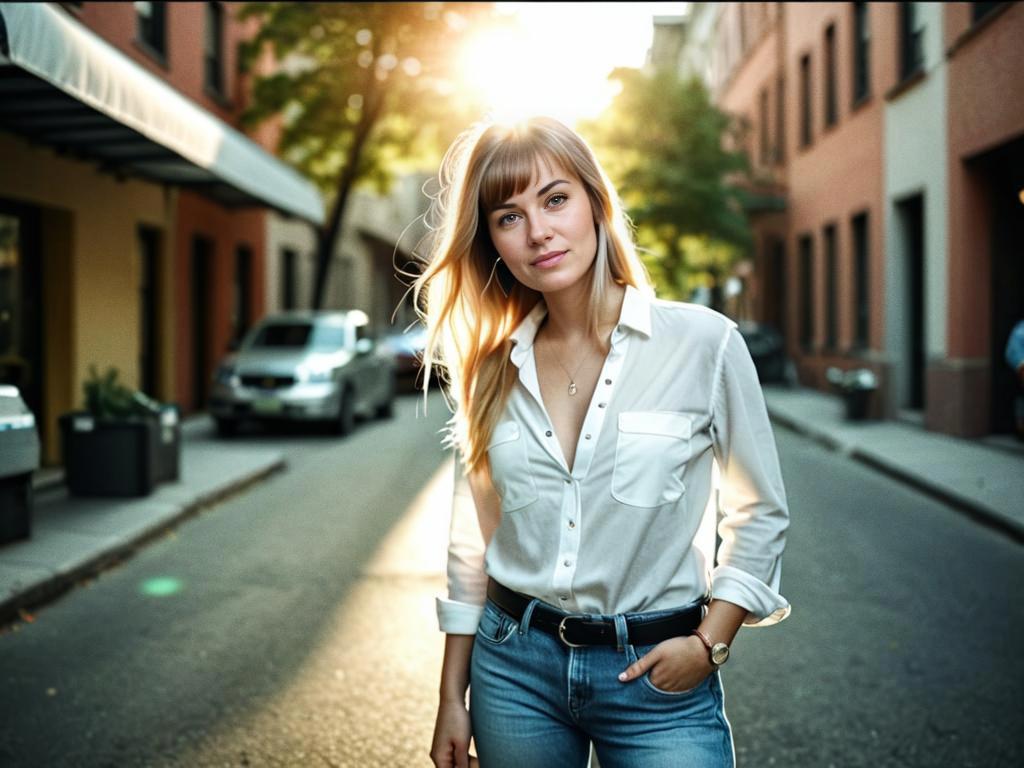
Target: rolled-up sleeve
755,514
460,612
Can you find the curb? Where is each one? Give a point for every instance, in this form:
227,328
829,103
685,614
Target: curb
978,512
55,585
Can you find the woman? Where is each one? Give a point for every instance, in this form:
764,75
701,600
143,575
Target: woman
588,416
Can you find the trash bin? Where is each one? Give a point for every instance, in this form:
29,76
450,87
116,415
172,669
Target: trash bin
856,387
19,458
168,452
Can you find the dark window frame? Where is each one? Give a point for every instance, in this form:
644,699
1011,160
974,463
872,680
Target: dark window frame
860,238
980,11
911,53
214,60
762,120
151,33
780,119
806,105
830,244
831,78
805,253
861,53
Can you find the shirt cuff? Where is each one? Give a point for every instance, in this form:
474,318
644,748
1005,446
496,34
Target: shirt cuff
764,604
455,618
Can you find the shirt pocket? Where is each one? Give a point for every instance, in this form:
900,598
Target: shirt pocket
650,451
510,467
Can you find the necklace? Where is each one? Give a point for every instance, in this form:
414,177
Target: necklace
572,376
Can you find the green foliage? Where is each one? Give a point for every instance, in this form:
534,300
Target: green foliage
366,87
666,147
109,400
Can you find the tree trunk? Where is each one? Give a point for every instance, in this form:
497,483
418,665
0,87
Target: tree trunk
329,234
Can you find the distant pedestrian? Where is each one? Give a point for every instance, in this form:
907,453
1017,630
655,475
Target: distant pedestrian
1015,359
582,605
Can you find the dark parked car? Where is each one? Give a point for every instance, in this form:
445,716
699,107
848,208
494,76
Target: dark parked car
768,350
305,366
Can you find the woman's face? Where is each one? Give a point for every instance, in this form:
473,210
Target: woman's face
546,233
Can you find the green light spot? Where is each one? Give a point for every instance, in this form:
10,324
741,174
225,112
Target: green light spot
161,586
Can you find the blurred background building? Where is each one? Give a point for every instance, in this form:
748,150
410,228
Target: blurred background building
888,189
140,227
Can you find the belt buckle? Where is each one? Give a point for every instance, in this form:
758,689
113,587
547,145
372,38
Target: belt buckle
561,632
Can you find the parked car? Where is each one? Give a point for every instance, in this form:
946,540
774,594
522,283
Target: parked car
305,365
768,350
407,350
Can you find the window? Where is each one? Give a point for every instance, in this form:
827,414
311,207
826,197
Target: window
981,10
213,49
806,292
859,231
242,305
831,293
288,278
805,100
861,53
911,40
831,100
152,26
780,120
762,127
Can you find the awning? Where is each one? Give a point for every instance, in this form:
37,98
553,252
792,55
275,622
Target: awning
63,86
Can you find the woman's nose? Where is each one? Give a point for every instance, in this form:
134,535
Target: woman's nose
540,231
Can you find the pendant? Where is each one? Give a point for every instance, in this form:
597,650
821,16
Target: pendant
572,387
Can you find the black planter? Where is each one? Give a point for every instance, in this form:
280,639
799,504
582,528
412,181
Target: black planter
857,402
168,451
109,458
15,508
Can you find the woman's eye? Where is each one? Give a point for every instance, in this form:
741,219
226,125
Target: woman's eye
558,199
507,219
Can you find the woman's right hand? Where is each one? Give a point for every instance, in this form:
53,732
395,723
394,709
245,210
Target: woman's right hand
452,730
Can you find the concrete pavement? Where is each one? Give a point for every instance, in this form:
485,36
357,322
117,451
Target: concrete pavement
982,478
74,538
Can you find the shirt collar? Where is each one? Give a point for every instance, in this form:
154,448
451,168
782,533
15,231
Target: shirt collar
634,315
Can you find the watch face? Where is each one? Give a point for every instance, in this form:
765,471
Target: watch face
719,653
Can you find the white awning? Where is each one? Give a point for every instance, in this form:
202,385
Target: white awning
62,85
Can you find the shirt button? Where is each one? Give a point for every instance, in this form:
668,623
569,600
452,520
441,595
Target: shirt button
562,597
567,563
587,437
548,433
601,405
568,481
572,523
607,381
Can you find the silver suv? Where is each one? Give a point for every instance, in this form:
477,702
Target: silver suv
305,366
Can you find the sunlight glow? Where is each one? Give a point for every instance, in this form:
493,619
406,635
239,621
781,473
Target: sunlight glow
555,58
161,586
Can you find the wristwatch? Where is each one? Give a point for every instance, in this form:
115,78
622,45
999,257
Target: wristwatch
719,652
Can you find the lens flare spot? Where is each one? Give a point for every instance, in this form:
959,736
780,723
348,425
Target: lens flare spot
161,586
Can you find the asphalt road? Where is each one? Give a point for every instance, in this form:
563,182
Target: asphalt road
293,625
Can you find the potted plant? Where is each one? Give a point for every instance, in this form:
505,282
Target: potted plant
114,446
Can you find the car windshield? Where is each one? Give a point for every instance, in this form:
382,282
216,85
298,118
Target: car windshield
283,335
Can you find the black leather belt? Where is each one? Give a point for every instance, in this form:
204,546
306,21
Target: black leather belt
575,630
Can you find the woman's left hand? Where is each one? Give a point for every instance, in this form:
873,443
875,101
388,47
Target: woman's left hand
675,665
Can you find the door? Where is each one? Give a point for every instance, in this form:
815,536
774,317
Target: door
21,320
149,310
202,265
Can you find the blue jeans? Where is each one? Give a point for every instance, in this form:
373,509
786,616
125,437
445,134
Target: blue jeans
536,703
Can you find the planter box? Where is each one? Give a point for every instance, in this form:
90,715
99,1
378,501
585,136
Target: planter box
15,508
109,458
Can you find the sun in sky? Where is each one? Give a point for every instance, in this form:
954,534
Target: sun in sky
554,58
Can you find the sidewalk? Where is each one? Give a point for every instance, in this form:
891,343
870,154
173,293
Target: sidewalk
982,478
73,537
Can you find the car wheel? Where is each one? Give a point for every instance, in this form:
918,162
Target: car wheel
226,427
345,424
386,409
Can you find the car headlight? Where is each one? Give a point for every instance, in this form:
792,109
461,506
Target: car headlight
314,376
225,374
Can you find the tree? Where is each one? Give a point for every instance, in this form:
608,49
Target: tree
362,89
669,151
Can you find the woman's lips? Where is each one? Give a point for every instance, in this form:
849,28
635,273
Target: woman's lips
549,261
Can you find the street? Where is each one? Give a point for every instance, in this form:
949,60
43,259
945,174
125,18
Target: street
293,625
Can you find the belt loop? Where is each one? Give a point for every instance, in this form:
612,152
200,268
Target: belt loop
621,632
524,623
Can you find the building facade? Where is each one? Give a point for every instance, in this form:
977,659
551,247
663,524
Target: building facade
886,144
133,213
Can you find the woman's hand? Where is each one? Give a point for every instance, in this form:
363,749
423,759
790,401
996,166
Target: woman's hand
450,748
675,665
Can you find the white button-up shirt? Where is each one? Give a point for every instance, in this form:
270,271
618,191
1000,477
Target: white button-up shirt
677,413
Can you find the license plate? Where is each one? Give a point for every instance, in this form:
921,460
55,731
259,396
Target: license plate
267,405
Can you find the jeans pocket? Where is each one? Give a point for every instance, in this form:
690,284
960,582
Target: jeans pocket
495,627
636,652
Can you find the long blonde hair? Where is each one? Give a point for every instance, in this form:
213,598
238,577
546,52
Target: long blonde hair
468,315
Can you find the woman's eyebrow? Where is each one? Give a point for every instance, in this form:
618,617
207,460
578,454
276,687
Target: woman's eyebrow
547,187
